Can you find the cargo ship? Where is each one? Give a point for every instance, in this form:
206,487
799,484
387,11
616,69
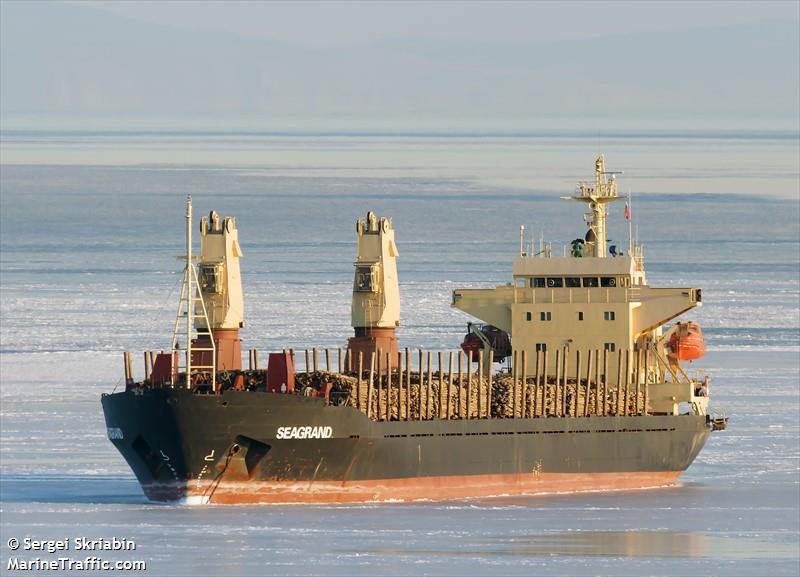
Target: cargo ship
591,392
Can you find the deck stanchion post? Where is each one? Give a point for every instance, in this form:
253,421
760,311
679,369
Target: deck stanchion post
588,383
308,362
557,391
562,398
408,385
360,376
560,366
327,360
603,407
597,382
627,382
646,384
645,388
469,384
126,358
514,370
562,384
565,410
315,358
382,386
147,366
564,380
428,399
480,384
349,356
524,400
545,395
341,361
421,356
379,387
388,386
459,408
543,383
401,378
619,383
399,382
369,383
441,383
449,384
536,371
577,382
636,380
489,379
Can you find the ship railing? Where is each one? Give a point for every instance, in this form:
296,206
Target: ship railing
593,295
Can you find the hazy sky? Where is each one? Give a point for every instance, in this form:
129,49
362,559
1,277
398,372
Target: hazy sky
431,65
336,23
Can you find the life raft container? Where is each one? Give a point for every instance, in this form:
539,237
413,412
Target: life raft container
686,343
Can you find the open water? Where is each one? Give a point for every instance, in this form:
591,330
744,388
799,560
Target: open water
90,225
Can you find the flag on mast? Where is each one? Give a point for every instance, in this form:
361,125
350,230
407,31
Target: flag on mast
627,211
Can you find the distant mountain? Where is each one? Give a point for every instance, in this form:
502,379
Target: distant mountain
76,60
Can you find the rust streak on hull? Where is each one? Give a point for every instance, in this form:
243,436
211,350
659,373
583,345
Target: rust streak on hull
411,489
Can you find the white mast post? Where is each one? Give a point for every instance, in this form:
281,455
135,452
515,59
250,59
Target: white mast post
190,293
630,223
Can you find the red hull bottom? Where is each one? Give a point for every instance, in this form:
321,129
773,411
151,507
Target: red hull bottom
411,489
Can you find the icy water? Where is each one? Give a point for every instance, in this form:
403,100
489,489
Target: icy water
90,226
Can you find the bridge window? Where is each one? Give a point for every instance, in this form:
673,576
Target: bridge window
580,315
609,315
573,281
538,282
521,282
541,347
529,316
555,282
545,316
366,279
608,281
590,281
610,347
211,278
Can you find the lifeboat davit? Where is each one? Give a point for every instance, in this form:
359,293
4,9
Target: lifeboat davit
686,343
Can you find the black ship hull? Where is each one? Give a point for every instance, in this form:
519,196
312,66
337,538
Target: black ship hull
244,447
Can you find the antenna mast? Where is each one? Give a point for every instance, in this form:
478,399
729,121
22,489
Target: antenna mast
597,196
189,287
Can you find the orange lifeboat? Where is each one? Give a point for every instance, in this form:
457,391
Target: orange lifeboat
686,343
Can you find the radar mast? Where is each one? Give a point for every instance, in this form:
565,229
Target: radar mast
597,196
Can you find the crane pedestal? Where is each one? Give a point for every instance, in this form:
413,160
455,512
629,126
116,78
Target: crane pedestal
228,346
368,340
